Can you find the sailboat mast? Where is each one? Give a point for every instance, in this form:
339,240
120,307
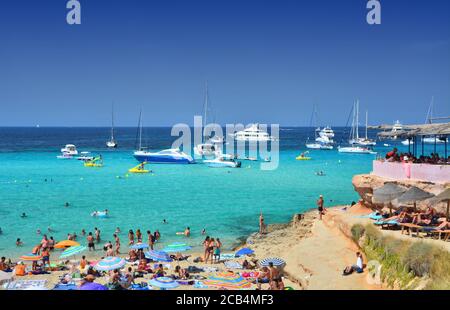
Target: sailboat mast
357,119
112,122
206,105
367,119
140,130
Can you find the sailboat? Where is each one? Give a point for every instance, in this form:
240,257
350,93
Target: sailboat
210,148
364,141
112,142
323,138
354,136
168,156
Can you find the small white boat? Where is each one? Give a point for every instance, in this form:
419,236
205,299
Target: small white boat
356,150
319,146
69,149
99,214
64,156
85,156
222,161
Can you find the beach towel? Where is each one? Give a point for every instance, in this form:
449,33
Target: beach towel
27,285
199,284
227,256
232,265
392,222
210,269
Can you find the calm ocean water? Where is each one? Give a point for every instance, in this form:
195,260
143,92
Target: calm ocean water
226,202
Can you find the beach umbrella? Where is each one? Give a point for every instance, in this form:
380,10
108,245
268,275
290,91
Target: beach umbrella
73,250
414,194
110,263
276,261
244,251
444,196
386,193
139,246
177,247
65,244
228,280
164,283
92,286
159,256
31,257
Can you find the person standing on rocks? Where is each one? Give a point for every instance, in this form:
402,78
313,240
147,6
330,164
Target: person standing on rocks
320,207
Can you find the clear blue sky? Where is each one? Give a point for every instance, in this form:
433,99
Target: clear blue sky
266,61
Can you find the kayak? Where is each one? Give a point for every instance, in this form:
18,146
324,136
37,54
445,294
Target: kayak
139,169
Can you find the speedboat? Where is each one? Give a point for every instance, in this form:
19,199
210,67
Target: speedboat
169,156
432,140
223,161
69,149
356,150
252,133
85,156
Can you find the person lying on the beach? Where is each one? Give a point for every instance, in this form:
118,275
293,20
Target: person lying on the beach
159,272
143,268
179,257
180,274
247,265
132,256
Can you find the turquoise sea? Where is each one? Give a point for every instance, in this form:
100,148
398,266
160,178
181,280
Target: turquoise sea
226,202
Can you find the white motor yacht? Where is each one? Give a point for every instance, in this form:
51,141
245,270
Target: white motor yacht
252,133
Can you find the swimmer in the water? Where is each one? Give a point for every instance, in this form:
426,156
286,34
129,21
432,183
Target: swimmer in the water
19,242
1,231
204,231
38,231
117,230
66,204
165,222
49,229
23,215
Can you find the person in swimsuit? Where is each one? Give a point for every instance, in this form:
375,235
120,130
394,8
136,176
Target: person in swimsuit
187,232
262,225
274,276
139,235
320,207
97,234
205,247
150,238
90,240
45,257
117,240
19,242
211,249
130,237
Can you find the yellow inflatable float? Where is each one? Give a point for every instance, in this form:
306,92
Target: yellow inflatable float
302,158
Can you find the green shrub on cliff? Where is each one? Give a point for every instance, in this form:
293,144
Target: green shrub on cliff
404,263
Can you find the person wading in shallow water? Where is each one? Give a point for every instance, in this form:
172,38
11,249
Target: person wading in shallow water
320,207
262,225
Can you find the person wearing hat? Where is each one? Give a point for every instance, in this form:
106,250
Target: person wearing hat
320,207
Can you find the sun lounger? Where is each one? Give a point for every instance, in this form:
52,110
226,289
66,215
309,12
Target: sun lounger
410,228
441,234
387,224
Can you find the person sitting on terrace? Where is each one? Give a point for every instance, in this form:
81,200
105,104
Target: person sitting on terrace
390,155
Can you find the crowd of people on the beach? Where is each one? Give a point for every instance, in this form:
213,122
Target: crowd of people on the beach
141,266
408,157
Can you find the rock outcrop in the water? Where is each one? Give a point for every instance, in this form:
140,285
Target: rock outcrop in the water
365,184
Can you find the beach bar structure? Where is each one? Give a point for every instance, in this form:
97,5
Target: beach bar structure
436,173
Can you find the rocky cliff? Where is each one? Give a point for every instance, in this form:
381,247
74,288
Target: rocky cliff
365,184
